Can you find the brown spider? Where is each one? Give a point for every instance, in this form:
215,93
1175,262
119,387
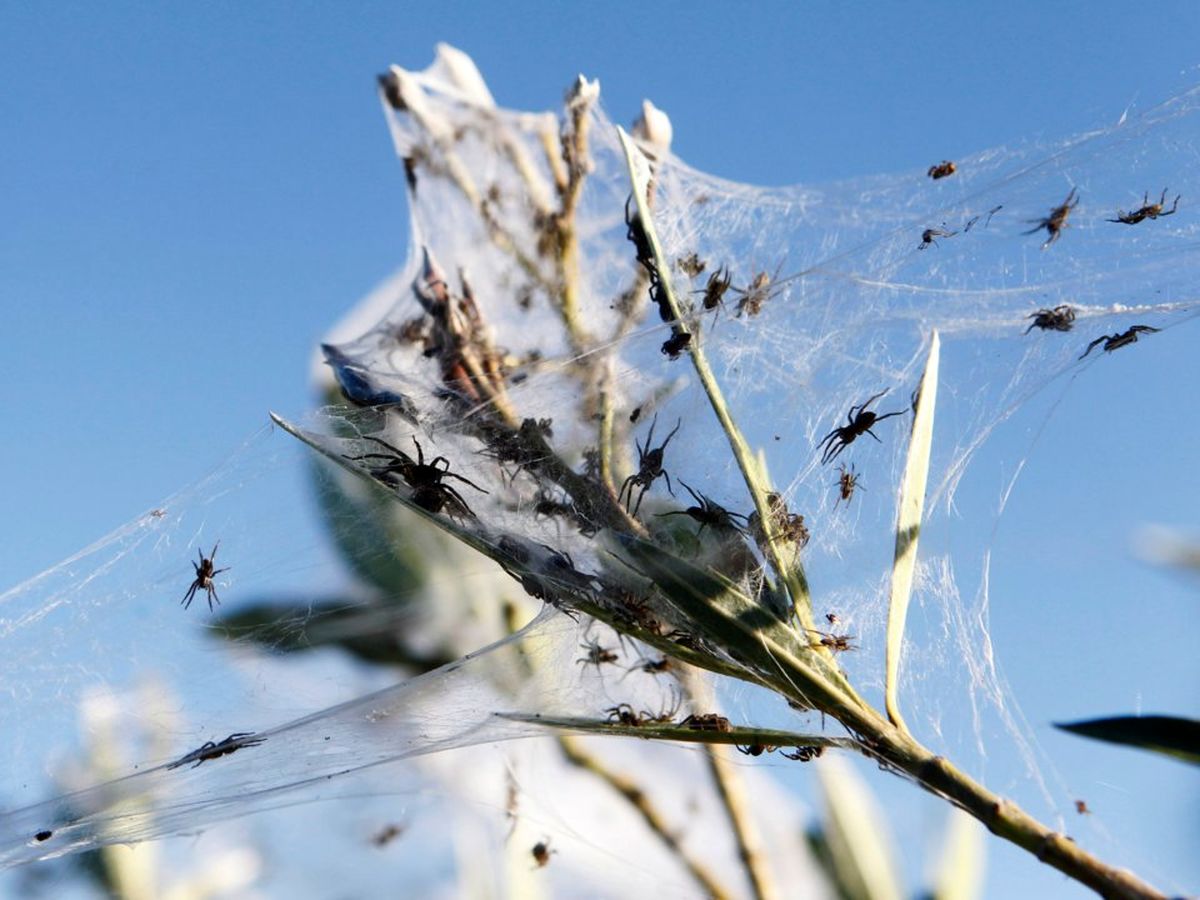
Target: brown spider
1082,808
596,655
942,169
706,722
786,526
847,483
1113,342
650,467
928,235
676,344
541,853
387,834
758,292
835,642
1056,221
691,265
212,750
425,478
858,422
708,514
1061,318
206,571
714,291
1148,211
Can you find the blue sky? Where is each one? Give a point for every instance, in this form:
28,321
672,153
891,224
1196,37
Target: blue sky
191,196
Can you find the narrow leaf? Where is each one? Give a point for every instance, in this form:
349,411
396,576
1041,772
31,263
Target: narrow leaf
860,854
908,526
1168,735
959,874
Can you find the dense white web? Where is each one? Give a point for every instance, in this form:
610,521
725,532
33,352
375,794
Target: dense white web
309,610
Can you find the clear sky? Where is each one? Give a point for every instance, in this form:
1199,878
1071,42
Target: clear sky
191,195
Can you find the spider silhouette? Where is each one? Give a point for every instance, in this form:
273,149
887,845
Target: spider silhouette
429,491
858,422
708,514
1113,342
213,750
650,467
1061,318
206,571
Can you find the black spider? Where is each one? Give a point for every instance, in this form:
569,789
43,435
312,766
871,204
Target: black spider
676,344
858,422
928,235
1113,342
206,571
650,467
708,514
425,478
1061,318
212,750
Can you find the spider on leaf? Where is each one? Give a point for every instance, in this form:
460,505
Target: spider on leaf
425,478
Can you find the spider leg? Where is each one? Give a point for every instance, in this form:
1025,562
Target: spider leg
191,593
1092,345
879,419
834,449
872,434
449,474
641,494
668,477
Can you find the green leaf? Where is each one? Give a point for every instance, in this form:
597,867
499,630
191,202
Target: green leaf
1163,734
302,623
959,874
908,527
853,844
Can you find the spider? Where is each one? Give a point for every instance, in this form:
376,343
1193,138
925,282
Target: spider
755,749
596,655
858,422
847,483
756,293
636,234
708,513
1056,221
714,290
835,642
676,344
1113,342
387,834
1082,808
623,714
425,478
928,235
541,853
652,666
942,169
805,754
706,722
650,467
1148,211
691,265
212,750
788,526
205,573
1061,318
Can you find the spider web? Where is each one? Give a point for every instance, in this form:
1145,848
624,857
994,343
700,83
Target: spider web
854,297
